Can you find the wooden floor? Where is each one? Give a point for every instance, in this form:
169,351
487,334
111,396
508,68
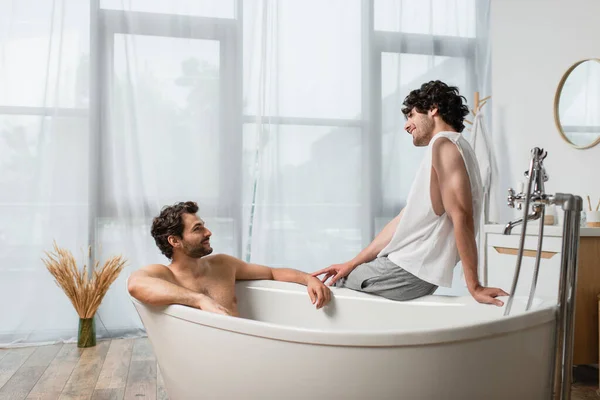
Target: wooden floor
123,369
113,369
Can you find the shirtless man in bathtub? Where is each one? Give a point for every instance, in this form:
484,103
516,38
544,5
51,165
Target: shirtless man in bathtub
196,279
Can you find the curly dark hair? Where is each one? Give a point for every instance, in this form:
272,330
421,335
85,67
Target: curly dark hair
438,94
170,222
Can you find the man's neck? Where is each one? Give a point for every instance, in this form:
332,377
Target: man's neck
185,265
438,129
442,127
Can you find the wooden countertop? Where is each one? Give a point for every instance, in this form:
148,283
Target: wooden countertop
533,227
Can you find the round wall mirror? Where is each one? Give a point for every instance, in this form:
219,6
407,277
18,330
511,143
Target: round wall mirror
577,104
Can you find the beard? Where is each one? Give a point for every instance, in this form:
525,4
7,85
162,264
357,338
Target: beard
424,133
196,250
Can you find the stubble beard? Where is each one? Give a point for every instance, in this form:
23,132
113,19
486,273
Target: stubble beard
196,251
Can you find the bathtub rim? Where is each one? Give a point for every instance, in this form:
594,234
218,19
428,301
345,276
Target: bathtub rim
385,338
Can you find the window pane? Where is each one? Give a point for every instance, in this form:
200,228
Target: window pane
164,143
306,192
43,159
435,17
401,73
44,181
308,61
44,53
199,8
166,112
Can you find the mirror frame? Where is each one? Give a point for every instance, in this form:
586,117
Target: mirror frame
557,100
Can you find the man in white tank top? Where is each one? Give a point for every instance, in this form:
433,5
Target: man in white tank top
417,251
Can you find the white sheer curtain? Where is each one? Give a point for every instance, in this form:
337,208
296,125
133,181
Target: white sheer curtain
44,152
280,118
302,132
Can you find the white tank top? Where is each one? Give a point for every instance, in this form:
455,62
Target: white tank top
424,243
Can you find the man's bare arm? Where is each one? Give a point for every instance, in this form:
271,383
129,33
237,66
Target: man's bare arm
381,240
155,285
319,293
249,271
369,253
455,189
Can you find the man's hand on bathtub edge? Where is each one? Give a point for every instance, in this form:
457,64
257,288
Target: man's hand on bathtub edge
335,272
487,295
319,294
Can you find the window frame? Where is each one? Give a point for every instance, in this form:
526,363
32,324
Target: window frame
226,32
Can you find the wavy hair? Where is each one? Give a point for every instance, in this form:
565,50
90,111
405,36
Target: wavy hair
170,222
437,94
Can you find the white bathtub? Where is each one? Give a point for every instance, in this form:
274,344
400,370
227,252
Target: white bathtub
358,347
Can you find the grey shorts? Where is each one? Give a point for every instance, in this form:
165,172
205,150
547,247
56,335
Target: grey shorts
384,278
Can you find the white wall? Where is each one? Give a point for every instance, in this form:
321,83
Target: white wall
533,43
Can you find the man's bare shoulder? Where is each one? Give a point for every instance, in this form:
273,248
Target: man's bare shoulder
156,270
223,259
223,263
446,153
444,145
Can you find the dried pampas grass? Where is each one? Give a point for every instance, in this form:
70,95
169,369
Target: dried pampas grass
85,294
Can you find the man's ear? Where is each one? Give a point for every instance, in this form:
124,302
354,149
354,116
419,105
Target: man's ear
433,111
174,241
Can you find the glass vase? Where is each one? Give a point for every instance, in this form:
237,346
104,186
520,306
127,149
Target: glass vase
86,336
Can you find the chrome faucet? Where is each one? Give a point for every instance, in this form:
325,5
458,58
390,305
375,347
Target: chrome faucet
537,195
536,214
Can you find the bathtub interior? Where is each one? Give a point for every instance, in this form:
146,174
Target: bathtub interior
288,304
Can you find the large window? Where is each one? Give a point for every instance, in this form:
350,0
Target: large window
284,123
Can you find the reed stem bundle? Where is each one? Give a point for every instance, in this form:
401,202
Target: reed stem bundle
84,292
